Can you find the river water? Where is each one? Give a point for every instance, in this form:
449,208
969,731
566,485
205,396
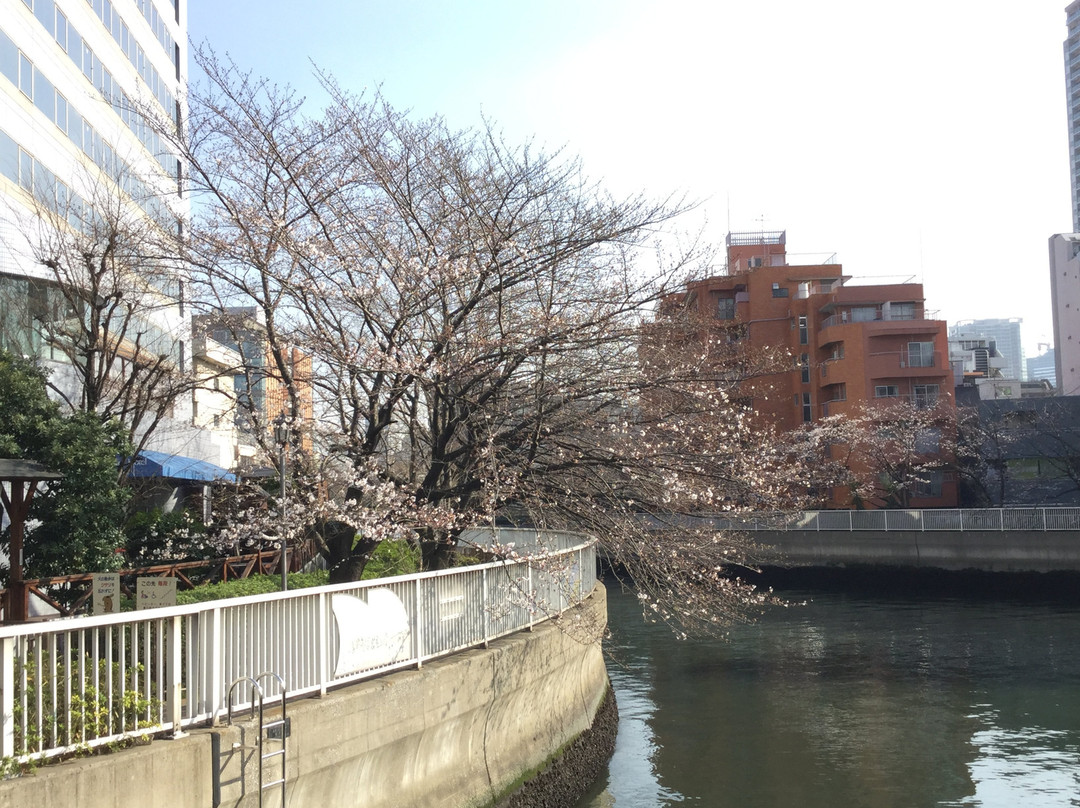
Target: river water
851,699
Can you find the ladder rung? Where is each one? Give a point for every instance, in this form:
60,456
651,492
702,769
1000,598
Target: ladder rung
273,783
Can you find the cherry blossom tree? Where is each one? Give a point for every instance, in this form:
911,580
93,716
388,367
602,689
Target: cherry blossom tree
885,452
481,322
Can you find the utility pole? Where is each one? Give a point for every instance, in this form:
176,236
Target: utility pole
281,435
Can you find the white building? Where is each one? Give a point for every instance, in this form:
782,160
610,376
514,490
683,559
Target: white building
1072,96
1000,335
72,75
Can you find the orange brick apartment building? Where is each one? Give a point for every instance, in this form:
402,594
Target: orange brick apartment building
850,344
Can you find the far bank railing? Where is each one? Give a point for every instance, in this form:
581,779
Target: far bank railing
71,684
952,519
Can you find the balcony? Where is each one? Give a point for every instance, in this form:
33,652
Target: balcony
849,318
906,364
921,396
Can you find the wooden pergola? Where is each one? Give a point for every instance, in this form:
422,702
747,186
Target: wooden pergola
22,478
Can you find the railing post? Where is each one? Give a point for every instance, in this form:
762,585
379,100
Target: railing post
484,605
174,677
322,643
961,510
850,522
531,597
1001,518
7,697
1044,519
211,640
418,622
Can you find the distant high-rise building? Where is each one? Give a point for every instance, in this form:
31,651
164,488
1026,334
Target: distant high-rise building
1042,367
1001,334
1072,96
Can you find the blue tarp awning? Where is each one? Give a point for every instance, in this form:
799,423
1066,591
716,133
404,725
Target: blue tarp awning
177,467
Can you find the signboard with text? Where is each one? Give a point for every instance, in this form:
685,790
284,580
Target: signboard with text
152,593
106,592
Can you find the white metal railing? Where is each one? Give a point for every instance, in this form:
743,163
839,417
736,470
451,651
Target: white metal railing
954,519
81,682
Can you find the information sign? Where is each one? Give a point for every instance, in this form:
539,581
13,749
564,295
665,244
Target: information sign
106,592
152,593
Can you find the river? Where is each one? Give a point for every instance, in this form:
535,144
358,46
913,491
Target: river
850,699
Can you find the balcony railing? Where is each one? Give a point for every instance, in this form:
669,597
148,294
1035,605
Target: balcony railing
908,360
846,318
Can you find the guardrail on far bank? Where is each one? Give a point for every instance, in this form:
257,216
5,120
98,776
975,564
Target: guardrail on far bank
75,683
953,519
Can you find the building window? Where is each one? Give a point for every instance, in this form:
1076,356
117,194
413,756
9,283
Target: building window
902,311
804,331
804,368
46,15
925,396
26,76
929,485
779,291
862,314
807,409
886,391
920,354
928,441
26,171
725,308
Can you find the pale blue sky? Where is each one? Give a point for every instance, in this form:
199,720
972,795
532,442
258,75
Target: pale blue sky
924,138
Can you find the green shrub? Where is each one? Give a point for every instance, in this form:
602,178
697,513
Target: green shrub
392,558
87,713
254,585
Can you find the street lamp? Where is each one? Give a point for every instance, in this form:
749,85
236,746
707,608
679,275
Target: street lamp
281,436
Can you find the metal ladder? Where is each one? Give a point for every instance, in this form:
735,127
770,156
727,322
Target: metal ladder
265,729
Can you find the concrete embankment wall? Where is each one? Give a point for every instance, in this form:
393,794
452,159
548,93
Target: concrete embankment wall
461,732
982,550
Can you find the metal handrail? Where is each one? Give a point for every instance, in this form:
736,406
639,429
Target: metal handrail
175,663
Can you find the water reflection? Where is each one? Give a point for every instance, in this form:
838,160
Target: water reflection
850,701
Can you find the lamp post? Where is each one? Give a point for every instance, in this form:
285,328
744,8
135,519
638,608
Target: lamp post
281,435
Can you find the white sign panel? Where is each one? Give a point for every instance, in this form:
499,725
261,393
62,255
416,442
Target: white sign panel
150,593
370,634
106,592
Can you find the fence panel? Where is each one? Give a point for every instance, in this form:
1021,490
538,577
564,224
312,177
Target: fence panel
867,520
942,520
1062,518
903,520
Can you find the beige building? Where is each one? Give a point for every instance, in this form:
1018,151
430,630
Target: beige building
1065,303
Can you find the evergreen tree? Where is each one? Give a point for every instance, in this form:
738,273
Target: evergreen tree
76,524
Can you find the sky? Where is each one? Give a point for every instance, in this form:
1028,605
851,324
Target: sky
921,140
